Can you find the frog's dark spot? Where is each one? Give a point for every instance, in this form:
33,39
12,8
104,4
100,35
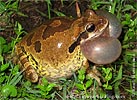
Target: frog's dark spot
29,39
57,25
72,47
83,35
37,46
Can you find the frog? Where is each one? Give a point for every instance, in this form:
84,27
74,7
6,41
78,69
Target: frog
52,50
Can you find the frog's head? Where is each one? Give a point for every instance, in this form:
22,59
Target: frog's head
99,42
94,25
89,25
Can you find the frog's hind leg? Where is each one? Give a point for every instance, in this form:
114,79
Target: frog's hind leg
27,68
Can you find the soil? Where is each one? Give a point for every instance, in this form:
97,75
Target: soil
37,12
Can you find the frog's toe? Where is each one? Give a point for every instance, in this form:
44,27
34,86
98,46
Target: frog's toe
31,74
94,73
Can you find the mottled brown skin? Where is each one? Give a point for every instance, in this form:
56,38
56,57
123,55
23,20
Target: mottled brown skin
45,51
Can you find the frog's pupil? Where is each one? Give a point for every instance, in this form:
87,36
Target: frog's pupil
90,28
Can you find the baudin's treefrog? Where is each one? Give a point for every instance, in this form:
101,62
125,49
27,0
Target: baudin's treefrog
52,50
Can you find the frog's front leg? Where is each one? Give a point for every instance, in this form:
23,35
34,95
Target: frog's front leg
95,74
27,68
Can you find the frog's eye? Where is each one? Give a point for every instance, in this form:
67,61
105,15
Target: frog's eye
90,27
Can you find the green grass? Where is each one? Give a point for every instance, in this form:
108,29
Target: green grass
120,76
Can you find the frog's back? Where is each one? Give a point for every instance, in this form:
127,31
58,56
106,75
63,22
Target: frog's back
47,49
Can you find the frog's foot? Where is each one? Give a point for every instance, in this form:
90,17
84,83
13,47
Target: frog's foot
31,74
94,73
